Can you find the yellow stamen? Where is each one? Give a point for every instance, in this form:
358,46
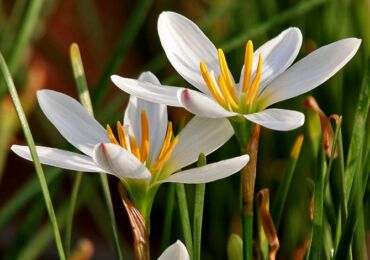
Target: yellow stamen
121,135
134,147
226,92
210,84
144,149
166,155
248,59
225,72
111,136
253,91
167,140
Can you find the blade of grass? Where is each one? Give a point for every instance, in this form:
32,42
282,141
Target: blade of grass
317,230
31,144
354,190
198,211
84,96
282,193
127,38
184,216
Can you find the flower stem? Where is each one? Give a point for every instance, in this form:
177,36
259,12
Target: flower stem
198,211
248,181
184,214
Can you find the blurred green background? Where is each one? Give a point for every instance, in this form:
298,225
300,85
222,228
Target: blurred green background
120,37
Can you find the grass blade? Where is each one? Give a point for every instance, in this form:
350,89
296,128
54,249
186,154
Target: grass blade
198,211
31,144
84,95
282,193
184,216
167,223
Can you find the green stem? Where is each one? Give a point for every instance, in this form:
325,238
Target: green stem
184,215
198,211
247,222
31,144
71,210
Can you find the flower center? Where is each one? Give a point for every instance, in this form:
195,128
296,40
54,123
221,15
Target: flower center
130,143
223,89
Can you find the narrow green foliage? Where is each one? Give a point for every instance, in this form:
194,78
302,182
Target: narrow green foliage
184,216
317,230
354,190
198,211
83,92
282,193
31,144
167,226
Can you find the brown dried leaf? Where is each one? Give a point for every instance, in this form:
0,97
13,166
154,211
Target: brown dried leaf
326,127
267,223
138,226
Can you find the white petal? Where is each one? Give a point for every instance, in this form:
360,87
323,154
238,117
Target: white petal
277,54
278,119
176,251
157,117
148,91
119,162
59,158
186,46
311,71
202,105
210,172
200,135
72,120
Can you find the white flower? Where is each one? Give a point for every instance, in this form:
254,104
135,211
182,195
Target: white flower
144,148
267,76
176,251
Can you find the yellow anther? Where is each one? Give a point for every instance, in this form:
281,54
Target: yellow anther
253,91
121,135
225,72
248,59
226,93
166,155
167,140
144,149
111,136
210,84
134,147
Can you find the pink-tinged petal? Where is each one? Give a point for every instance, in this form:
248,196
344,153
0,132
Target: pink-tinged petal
200,135
277,119
119,162
202,105
72,120
186,46
156,114
210,172
59,158
311,71
176,251
148,91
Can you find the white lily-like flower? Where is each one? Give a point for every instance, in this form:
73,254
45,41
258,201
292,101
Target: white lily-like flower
176,251
145,148
267,76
